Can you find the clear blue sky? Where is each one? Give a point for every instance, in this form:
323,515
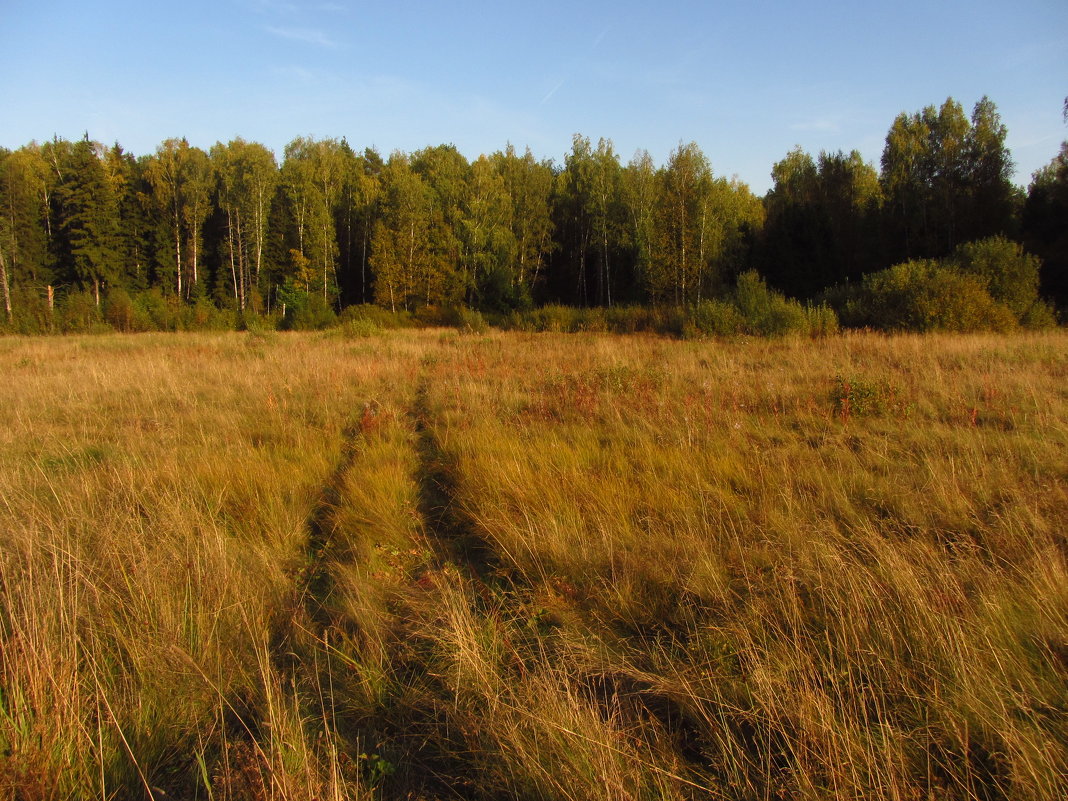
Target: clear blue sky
746,80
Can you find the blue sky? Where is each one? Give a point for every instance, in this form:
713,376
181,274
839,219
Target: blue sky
747,81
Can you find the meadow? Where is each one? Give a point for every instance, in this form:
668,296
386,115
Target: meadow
423,564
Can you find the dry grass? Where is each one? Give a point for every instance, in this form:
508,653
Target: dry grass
425,565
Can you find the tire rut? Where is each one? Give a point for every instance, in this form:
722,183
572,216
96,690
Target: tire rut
450,532
317,584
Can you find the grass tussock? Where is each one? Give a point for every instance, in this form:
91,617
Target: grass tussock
420,564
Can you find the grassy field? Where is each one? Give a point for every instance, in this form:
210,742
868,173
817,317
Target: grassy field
426,565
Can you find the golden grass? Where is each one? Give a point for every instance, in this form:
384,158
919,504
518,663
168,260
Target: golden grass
425,565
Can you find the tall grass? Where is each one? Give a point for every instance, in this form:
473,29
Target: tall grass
418,564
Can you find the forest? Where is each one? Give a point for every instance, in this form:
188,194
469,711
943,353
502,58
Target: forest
475,565
938,237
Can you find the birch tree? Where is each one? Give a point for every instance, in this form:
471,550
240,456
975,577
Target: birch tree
313,174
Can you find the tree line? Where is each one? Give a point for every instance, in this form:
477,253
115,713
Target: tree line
231,228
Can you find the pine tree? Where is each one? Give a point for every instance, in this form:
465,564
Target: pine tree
88,220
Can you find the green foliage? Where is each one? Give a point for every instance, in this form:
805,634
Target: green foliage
376,316
469,321
359,329
162,310
1005,270
698,235
202,315
458,317
306,311
1044,231
259,324
89,223
947,179
822,320
529,185
122,314
718,318
752,308
78,313
822,224
764,311
152,237
859,397
923,296
31,312
499,291
1039,316
631,319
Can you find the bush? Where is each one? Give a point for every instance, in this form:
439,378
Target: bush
926,295
548,318
360,328
591,320
78,313
307,311
162,312
469,321
374,315
821,320
765,312
203,315
30,312
629,319
717,318
1004,269
1039,316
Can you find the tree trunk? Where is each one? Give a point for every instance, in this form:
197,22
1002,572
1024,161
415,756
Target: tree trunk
258,219
6,288
196,247
411,265
363,261
233,264
326,255
701,253
584,238
178,248
242,265
604,252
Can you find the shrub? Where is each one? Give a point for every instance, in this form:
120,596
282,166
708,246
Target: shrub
767,312
717,318
1004,269
375,315
926,295
755,309
458,317
30,312
119,310
467,320
162,312
591,320
307,311
78,313
431,317
629,319
1039,316
203,315
853,396
360,328
821,320
670,320
548,318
